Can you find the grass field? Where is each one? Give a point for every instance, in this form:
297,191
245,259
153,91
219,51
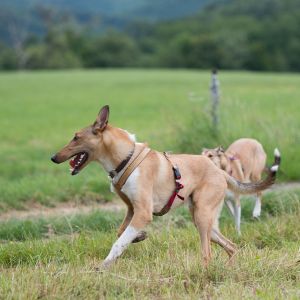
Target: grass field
40,112
55,257
38,263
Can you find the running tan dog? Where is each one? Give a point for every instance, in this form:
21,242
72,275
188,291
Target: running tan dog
245,160
144,179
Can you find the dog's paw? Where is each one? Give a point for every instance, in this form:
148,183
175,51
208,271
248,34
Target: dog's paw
141,236
106,264
256,211
256,215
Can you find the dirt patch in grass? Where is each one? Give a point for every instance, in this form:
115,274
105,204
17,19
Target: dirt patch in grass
36,210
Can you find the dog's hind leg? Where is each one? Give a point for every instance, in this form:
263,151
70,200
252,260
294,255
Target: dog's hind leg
205,211
192,209
226,244
217,237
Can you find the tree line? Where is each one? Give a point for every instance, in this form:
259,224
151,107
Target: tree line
252,35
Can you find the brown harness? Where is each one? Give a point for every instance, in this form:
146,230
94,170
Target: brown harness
134,164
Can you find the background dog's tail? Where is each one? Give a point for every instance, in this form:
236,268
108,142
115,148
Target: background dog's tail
254,187
277,158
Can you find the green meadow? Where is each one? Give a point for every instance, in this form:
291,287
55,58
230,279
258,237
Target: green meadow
56,256
40,111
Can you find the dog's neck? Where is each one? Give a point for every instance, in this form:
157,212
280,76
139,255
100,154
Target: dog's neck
117,145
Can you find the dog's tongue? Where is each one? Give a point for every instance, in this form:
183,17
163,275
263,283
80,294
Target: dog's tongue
72,162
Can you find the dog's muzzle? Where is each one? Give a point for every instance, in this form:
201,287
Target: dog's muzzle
54,159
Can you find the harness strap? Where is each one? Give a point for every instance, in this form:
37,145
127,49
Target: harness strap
122,165
178,187
134,164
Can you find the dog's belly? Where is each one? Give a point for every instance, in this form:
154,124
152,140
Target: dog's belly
160,200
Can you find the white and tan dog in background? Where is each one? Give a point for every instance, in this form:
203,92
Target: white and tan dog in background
245,160
149,186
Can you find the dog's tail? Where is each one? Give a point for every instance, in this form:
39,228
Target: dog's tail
277,161
277,157
254,187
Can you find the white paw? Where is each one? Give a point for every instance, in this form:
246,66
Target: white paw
106,264
256,213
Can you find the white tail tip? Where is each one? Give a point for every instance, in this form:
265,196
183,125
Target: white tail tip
274,168
276,152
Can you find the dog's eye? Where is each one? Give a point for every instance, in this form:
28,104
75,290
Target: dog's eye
210,155
75,138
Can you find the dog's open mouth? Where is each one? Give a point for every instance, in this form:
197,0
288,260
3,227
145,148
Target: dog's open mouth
77,161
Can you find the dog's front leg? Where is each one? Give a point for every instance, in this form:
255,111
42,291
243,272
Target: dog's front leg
142,216
126,220
142,234
120,245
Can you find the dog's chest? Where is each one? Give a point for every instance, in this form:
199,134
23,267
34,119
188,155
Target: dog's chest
130,188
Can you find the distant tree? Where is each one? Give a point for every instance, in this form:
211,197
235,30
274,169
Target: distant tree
112,50
8,58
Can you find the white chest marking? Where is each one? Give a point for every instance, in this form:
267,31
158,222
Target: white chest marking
131,185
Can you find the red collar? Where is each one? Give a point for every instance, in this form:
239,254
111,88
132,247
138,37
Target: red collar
231,158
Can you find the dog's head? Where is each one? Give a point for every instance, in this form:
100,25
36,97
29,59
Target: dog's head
218,157
86,144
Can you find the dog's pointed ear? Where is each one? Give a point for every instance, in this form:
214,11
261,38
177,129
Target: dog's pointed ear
220,150
102,119
207,152
204,151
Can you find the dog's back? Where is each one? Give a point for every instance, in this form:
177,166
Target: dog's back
251,155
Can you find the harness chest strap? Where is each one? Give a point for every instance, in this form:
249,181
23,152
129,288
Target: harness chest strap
134,164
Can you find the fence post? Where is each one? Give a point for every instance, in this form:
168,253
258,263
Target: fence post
215,99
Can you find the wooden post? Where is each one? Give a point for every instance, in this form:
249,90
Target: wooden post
215,99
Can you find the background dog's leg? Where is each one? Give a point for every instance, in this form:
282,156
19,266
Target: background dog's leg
237,213
257,208
229,205
228,201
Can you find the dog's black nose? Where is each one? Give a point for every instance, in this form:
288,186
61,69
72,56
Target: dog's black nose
54,159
